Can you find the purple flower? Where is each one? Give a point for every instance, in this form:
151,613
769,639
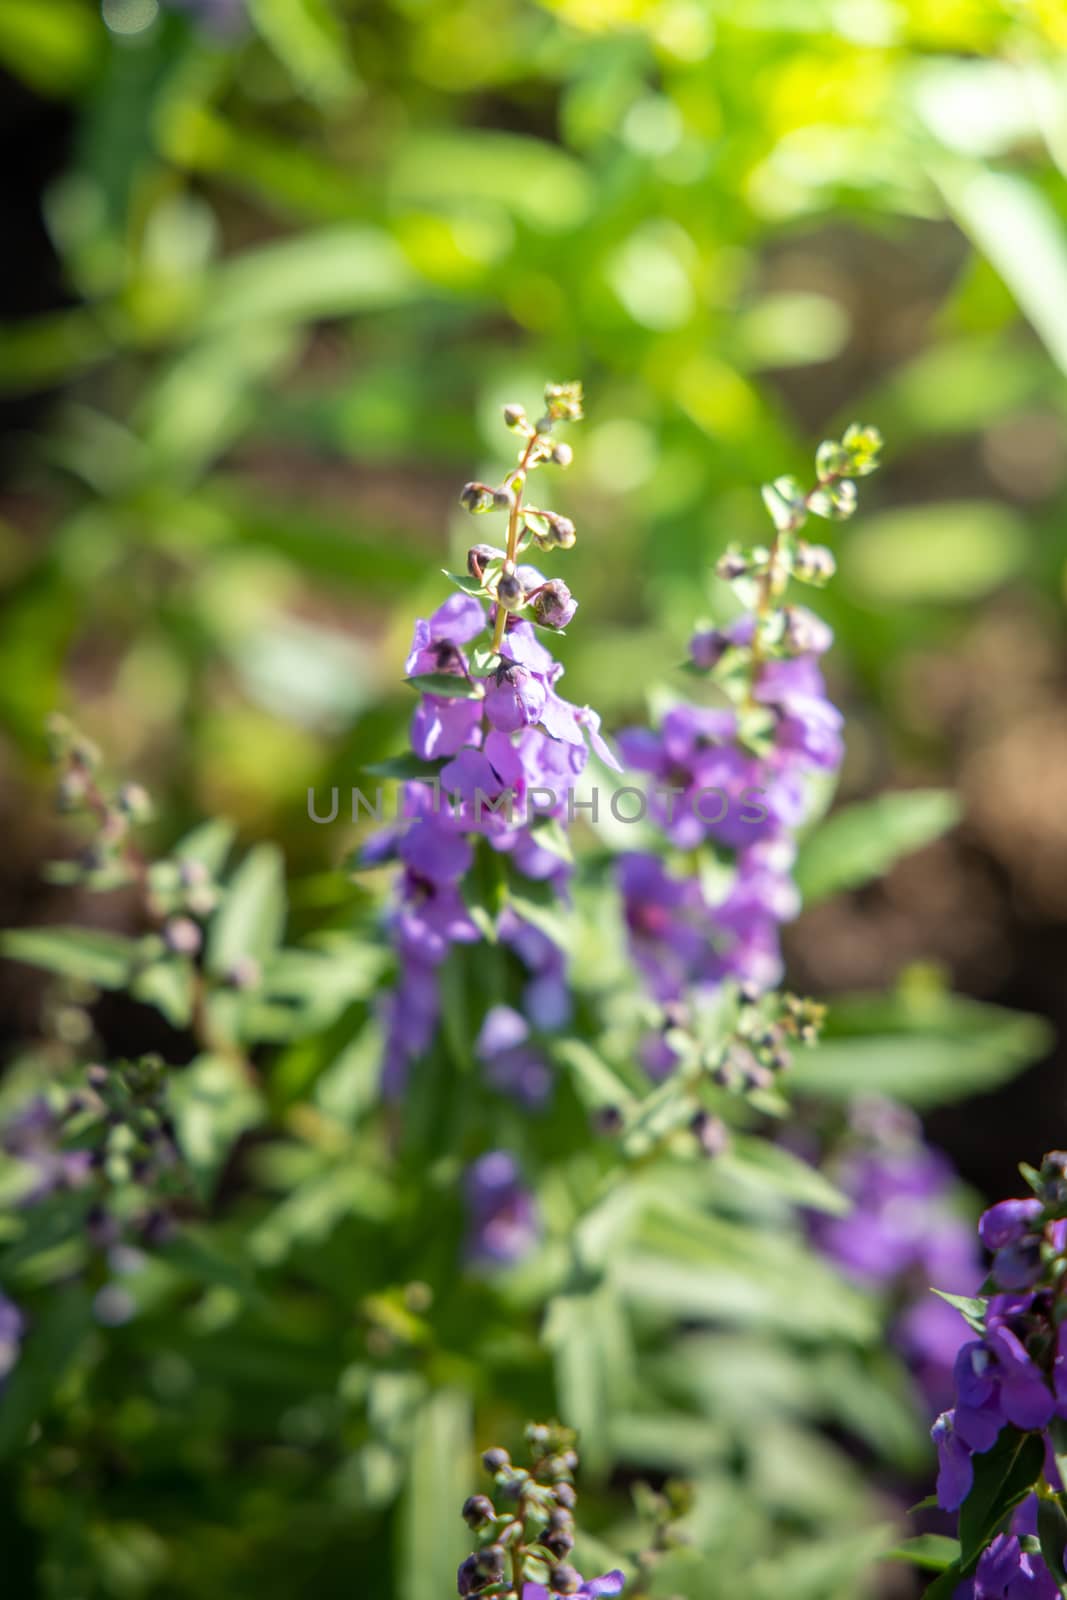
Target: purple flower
12,1328
512,1064
955,1473
515,698
1007,1572
32,1135
1008,1223
610,1584
436,643
503,1223
443,727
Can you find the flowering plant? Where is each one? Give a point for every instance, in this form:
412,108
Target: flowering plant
435,1157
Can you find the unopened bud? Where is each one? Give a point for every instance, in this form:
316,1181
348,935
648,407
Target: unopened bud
564,1580
510,592
133,799
566,1494
479,557
515,417
562,454
478,1511
192,873
495,1459
710,1133
553,604
476,497
182,936
731,565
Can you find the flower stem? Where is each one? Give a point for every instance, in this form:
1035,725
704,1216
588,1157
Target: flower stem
513,537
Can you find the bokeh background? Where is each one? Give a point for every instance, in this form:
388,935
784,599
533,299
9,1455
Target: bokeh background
271,267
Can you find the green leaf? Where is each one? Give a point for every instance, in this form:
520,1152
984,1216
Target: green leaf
329,272
861,842
970,1308
433,1539
209,844
1058,1434
251,917
167,985
927,1055
945,1584
934,1551
756,1162
103,959
449,685
537,903
212,1103
55,1333
1003,1477
1052,1532
950,552
406,767
308,40
597,1084
463,581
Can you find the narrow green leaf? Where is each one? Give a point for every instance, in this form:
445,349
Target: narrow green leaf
250,920
103,959
934,1551
1003,1477
861,842
449,685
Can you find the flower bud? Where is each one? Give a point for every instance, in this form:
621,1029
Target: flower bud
182,936
478,1511
607,1121
563,401
133,799
566,1494
562,454
510,592
245,973
479,557
564,1580
489,1562
495,1459
553,605
477,497
70,791
707,647
193,874
515,417
559,1542
731,565
813,563
710,1132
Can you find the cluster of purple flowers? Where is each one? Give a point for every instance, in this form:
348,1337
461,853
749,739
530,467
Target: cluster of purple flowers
517,736
507,750
1013,1374
902,1234
731,784
690,931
